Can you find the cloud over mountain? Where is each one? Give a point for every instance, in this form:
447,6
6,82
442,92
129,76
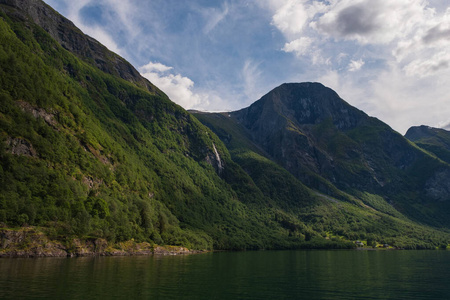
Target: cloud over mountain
177,87
401,44
376,53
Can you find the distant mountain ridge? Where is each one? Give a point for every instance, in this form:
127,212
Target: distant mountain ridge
435,140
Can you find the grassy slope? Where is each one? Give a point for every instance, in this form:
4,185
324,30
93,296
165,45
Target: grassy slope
437,142
364,216
105,158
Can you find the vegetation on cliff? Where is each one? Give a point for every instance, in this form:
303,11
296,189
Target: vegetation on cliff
85,153
89,150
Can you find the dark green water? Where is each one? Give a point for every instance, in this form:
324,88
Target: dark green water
236,275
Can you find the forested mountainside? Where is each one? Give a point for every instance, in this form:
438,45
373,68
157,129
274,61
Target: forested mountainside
87,152
310,131
337,150
91,150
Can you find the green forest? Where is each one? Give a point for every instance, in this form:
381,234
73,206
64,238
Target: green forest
87,154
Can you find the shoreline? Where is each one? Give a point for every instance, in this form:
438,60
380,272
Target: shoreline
29,242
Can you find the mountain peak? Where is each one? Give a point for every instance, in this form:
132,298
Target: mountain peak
303,85
302,103
423,131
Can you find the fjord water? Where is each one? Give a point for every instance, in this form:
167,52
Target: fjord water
233,275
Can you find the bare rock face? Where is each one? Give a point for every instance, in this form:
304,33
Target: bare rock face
295,123
171,250
438,187
309,130
29,242
38,112
19,146
300,103
72,39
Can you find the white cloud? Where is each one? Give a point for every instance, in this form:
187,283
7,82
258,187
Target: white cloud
424,54
340,57
355,65
299,46
412,30
388,58
444,125
406,26
422,67
290,17
158,67
401,50
402,102
304,47
177,87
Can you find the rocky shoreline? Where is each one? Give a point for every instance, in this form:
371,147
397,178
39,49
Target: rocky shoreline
30,242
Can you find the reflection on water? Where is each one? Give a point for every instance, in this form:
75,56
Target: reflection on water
233,275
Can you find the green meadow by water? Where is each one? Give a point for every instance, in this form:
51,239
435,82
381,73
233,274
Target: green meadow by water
233,275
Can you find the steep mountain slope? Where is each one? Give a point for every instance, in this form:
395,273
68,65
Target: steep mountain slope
434,140
72,39
366,216
338,150
91,150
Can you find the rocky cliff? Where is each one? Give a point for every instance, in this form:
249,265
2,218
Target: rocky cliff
308,128
319,138
72,39
30,242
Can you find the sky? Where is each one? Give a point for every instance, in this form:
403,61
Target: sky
390,59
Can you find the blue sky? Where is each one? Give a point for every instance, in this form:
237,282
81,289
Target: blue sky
388,58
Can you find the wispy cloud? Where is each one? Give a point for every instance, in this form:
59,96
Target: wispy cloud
214,16
251,76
